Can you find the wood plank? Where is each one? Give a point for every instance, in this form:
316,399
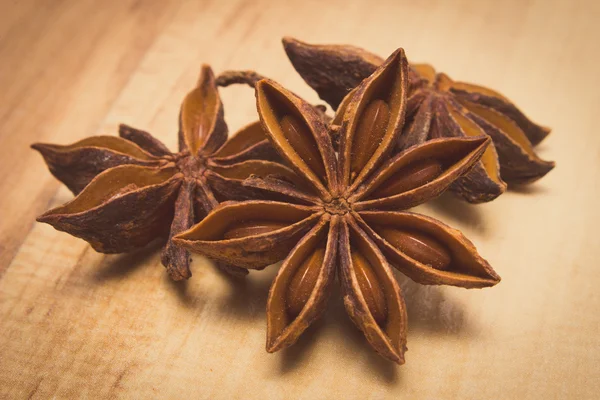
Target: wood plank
75,323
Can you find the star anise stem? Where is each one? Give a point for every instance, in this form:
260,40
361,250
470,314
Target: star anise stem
233,77
250,78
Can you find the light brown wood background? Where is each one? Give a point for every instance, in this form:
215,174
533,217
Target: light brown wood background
75,323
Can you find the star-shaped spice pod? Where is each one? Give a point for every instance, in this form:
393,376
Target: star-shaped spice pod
132,189
343,217
437,107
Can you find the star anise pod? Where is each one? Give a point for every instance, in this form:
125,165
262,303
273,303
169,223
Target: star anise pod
344,217
131,189
437,107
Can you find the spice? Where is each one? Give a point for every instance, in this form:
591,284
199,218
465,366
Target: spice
131,189
343,216
437,107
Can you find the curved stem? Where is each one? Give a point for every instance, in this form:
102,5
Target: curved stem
249,78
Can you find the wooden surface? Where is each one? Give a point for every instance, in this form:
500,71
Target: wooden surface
75,323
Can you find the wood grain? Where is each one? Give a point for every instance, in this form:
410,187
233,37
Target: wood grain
77,324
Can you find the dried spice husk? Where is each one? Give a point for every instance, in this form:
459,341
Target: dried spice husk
335,218
132,189
437,107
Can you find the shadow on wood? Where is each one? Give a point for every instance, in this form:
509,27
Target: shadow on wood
120,266
454,211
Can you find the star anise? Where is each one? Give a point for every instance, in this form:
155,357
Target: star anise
437,107
343,217
131,189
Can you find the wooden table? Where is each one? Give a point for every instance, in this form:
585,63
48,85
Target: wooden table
75,323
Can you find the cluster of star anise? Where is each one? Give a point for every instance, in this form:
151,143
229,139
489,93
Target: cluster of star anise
327,196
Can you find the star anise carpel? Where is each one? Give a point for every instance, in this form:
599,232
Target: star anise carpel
437,107
132,189
344,213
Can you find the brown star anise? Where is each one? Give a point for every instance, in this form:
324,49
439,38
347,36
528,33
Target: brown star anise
339,218
437,107
132,189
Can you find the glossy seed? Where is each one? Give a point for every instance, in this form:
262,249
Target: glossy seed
303,143
369,287
410,177
303,282
369,133
418,246
252,228
197,116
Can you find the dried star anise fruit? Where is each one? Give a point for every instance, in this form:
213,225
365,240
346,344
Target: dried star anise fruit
343,216
437,107
131,189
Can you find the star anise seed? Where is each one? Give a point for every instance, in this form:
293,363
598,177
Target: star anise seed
346,220
437,107
132,189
